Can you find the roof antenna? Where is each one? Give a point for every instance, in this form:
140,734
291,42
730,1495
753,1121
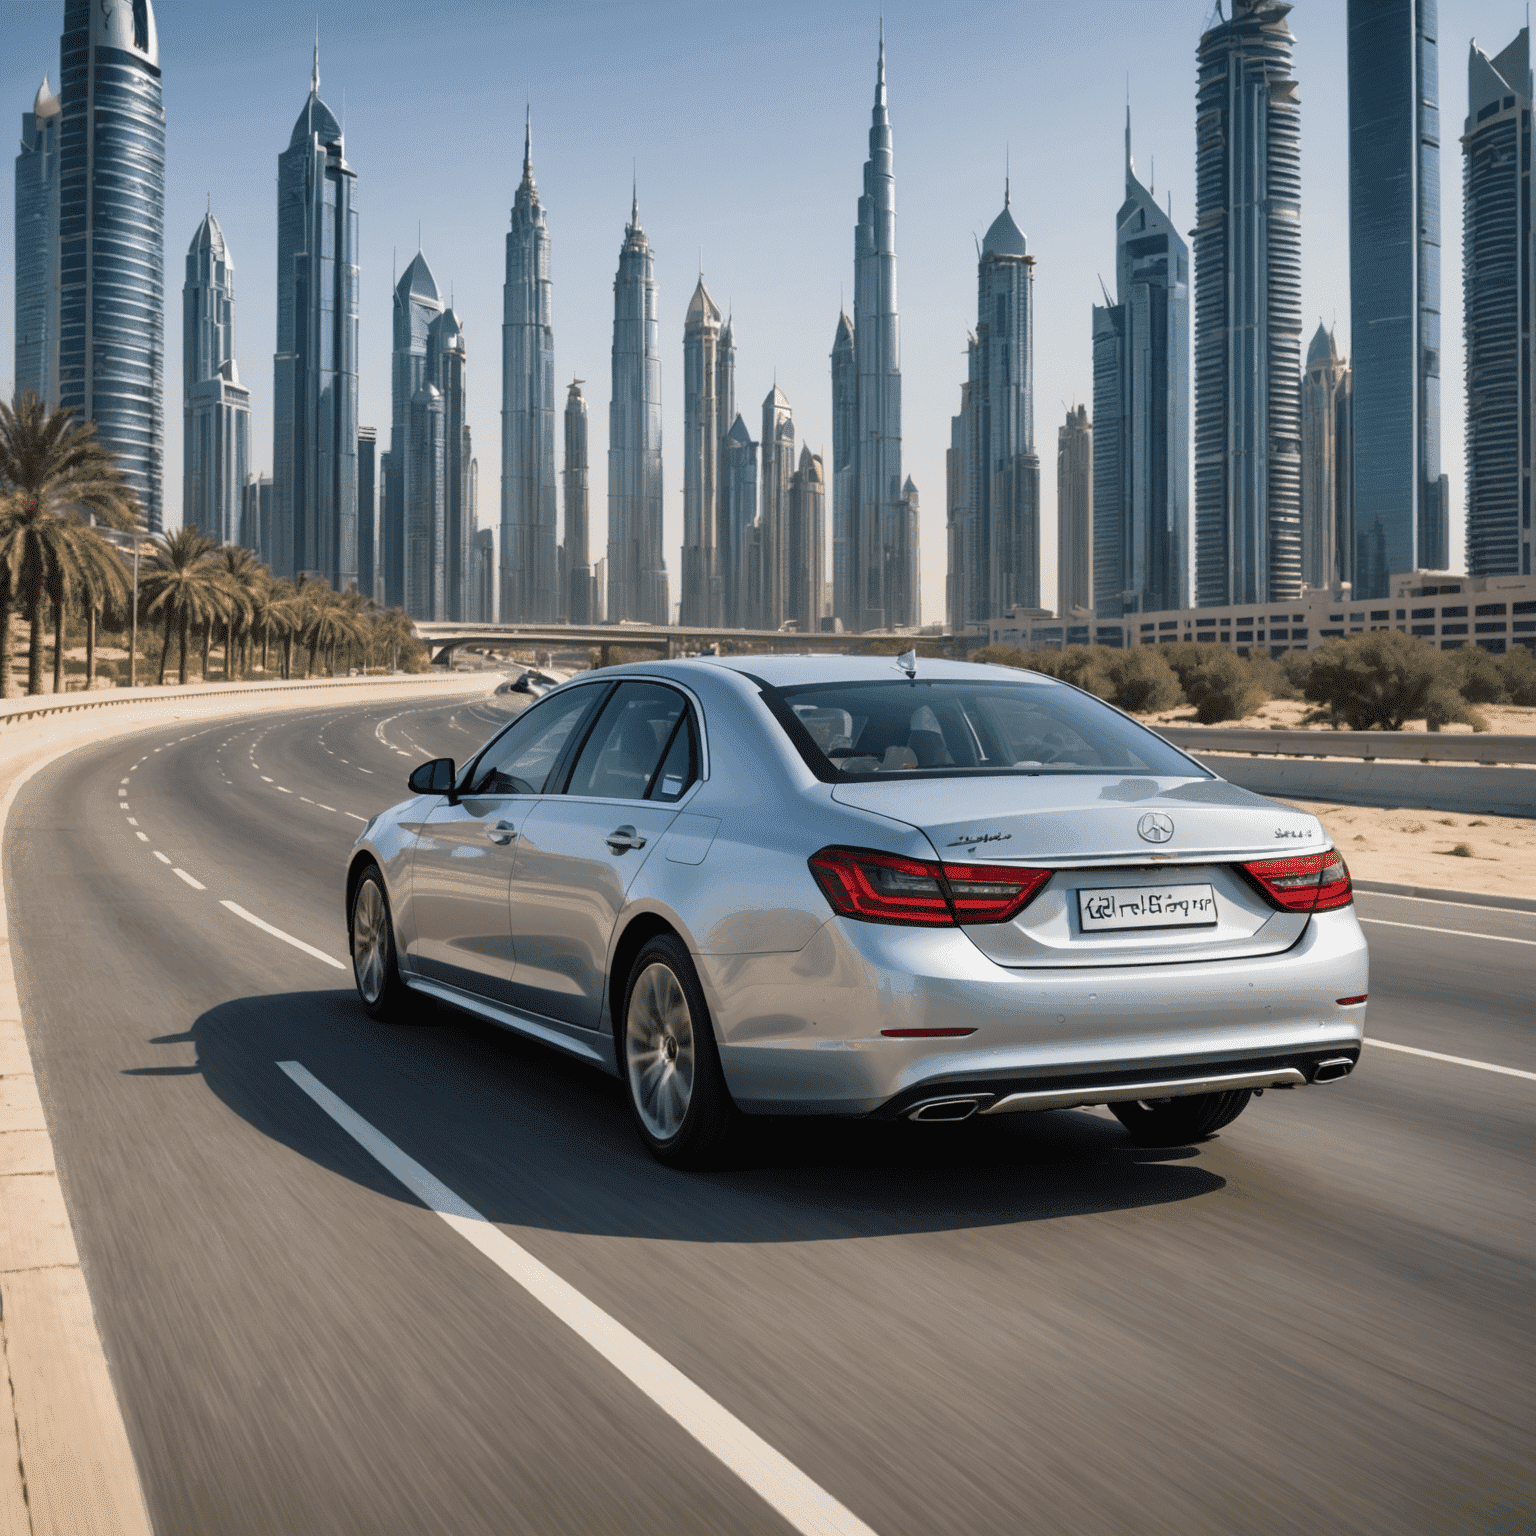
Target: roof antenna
907,662
1007,167
1109,303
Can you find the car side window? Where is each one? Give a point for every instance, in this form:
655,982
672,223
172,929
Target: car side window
679,768
622,755
521,759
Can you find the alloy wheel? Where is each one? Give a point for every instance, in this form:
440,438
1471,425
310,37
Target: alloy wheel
659,1051
370,941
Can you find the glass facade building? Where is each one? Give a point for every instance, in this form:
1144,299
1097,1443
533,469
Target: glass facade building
1401,512
1141,413
702,439
111,238
37,249
314,396
1247,310
1497,295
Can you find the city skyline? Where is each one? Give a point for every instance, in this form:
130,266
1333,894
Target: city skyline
923,65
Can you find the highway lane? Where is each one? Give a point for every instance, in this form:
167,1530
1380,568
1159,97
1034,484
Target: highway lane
1319,1319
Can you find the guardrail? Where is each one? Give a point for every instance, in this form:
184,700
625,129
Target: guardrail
1366,746
39,705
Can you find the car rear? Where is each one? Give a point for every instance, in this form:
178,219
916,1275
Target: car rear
1074,913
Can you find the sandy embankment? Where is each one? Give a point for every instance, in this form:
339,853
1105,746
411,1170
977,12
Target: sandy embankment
1414,847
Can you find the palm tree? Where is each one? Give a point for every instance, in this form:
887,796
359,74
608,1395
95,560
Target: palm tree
53,475
393,630
184,587
242,572
104,585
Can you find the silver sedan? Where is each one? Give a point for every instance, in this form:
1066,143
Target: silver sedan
847,886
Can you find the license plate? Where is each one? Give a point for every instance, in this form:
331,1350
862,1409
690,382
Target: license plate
1147,906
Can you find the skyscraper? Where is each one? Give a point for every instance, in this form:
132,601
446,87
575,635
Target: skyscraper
773,508
845,436
1394,289
1141,414
995,476
447,367
1497,298
738,528
637,569
370,565
804,541
578,554
112,236
530,589
416,305
702,436
1074,512
314,395
216,407
1247,310
1327,491
37,249
424,480
881,580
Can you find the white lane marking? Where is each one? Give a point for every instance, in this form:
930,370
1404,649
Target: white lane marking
122,794
283,791
143,837
123,805
804,1504
365,770
122,781
161,857
325,807
1458,1061
1434,901
1460,933
306,800
197,885
354,816
133,821
277,933
265,779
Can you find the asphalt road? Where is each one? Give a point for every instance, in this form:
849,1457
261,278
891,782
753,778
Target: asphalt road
1318,1321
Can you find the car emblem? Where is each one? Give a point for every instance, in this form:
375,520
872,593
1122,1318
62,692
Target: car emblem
1155,827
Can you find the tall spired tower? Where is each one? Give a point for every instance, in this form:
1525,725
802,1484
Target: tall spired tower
314,389
702,434
882,569
529,568
637,572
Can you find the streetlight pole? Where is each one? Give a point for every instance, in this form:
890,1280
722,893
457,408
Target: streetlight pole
133,637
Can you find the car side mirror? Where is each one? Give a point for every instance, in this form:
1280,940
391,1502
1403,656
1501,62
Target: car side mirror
434,778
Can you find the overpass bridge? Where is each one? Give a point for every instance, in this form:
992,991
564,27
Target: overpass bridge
443,639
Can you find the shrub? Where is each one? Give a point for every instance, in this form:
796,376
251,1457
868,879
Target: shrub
1518,673
1183,657
1221,687
1141,681
1476,676
1379,680
1001,656
1271,677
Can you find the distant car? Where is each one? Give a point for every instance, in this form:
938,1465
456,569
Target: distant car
531,682
834,886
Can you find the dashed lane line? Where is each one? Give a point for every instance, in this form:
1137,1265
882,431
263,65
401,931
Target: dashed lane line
277,933
1455,1061
197,885
161,857
143,837
1460,933
803,1503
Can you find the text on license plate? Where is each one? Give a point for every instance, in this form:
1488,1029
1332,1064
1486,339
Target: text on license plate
1147,906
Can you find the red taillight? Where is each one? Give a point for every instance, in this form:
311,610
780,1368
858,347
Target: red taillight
992,893
1313,882
885,888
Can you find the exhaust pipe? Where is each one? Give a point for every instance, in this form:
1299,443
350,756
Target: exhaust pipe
945,1109
1333,1069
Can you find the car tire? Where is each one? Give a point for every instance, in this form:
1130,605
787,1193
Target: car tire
1173,1122
669,1062
383,994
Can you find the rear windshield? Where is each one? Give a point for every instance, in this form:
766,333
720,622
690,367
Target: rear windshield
867,731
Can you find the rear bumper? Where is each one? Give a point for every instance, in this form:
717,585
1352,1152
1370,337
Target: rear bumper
802,1033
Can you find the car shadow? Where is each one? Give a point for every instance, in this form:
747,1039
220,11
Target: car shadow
533,1138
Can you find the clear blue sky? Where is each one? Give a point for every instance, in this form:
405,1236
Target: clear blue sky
747,127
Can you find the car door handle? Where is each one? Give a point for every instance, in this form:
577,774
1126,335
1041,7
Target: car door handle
624,837
502,833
